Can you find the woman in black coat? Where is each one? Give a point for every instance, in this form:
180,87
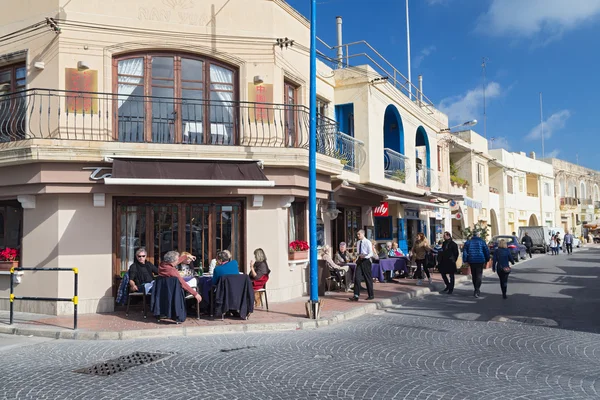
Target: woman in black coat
447,261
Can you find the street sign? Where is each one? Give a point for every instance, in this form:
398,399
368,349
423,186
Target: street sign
457,216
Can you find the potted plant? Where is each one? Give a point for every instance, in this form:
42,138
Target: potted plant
400,175
9,258
483,232
298,250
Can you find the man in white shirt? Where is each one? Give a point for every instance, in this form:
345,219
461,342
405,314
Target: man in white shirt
364,249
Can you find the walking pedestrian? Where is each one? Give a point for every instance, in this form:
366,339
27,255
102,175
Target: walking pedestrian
553,245
420,250
363,266
502,256
528,243
568,242
447,261
476,254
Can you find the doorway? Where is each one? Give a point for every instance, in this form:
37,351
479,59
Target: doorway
198,226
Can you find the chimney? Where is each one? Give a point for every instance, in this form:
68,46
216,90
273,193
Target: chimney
532,155
340,51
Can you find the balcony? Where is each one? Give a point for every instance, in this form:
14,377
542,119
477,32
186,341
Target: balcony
425,177
586,202
568,203
494,190
396,165
109,117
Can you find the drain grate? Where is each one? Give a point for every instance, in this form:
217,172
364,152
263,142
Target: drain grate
123,363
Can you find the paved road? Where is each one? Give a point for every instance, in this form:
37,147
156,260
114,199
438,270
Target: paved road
438,347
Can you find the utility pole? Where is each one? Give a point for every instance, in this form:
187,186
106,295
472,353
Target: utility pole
483,61
313,305
408,52
542,125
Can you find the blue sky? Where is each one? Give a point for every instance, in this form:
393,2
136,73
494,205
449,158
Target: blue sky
532,46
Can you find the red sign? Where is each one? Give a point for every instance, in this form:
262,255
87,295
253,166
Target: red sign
382,210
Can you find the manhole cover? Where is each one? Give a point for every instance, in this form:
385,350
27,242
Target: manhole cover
123,363
526,320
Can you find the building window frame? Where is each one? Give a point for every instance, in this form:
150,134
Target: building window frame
509,184
179,83
384,228
297,221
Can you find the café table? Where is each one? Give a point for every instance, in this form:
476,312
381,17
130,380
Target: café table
376,271
395,264
204,283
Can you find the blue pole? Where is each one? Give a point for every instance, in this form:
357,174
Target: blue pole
312,160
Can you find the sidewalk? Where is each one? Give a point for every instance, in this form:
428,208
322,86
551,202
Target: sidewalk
281,316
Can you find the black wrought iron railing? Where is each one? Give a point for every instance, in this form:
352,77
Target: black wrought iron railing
122,117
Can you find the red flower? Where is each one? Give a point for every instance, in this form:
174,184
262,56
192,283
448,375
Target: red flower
9,254
299,245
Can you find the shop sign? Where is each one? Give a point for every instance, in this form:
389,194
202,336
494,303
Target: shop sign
457,216
411,214
96,173
382,210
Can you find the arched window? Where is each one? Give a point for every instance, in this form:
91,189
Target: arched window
582,190
174,98
561,188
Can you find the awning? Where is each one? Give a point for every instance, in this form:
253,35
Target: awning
187,173
381,195
409,200
357,194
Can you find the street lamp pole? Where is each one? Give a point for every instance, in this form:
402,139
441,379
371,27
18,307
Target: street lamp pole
312,166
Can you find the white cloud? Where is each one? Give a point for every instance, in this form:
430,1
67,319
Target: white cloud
499,143
424,53
553,154
468,106
555,122
437,2
529,18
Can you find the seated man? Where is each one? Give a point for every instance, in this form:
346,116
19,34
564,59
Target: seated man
225,266
168,269
141,272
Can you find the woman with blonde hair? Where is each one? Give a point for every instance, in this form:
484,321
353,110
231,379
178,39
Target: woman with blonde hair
259,273
502,256
338,269
419,250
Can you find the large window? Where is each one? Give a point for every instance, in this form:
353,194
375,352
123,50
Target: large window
11,225
509,184
12,104
199,227
191,99
297,221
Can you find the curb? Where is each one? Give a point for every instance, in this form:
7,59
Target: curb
221,329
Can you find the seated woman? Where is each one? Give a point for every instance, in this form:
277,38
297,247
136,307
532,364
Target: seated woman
383,251
186,267
375,258
225,266
259,273
345,269
395,251
342,256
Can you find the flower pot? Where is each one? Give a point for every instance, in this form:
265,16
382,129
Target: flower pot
7,265
298,255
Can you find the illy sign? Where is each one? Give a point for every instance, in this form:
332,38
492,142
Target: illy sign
382,210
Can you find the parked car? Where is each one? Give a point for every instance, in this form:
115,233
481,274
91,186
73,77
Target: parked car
517,249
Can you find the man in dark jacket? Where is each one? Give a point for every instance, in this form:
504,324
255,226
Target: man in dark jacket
528,243
476,253
447,261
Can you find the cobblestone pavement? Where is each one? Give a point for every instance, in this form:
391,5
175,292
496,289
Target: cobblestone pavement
437,347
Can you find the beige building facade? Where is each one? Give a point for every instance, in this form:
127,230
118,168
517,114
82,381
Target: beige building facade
178,124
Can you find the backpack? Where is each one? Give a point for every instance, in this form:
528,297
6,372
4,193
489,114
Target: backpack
429,260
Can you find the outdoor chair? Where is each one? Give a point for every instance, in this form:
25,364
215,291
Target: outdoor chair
338,277
136,294
263,292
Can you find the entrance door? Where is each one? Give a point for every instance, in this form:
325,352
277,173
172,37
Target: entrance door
199,227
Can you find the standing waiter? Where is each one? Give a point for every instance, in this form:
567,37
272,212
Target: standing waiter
363,266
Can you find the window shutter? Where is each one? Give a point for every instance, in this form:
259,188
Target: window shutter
402,243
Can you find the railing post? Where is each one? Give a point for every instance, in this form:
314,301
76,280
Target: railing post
12,296
75,297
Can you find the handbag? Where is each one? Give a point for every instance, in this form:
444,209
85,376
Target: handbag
506,270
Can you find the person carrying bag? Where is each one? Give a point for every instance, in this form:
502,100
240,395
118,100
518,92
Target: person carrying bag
502,256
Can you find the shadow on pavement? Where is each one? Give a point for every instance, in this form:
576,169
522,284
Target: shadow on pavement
562,296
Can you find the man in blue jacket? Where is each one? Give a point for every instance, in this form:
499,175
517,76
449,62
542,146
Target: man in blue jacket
476,253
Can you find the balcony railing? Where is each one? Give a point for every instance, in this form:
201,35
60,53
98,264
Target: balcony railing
396,165
586,202
425,177
110,117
